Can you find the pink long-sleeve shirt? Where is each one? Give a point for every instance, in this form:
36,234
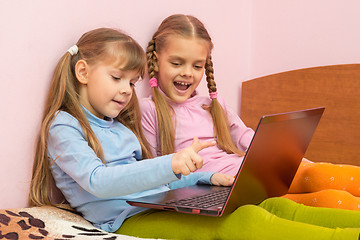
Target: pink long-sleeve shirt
192,120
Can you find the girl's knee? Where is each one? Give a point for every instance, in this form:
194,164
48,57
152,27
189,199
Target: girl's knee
275,200
276,203
247,210
250,216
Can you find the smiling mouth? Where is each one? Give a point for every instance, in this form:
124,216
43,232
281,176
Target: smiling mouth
182,85
118,102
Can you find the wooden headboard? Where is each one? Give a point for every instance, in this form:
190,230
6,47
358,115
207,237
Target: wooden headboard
337,88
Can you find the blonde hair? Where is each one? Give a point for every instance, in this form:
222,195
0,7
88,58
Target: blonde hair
101,44
185,26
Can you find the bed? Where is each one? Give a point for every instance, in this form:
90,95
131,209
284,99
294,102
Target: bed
55,223
336,87
336,140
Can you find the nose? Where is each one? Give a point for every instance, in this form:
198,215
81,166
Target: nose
187,71
125,89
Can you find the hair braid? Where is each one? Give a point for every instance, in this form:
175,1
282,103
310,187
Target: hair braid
209,71
164,118
151,58
221,122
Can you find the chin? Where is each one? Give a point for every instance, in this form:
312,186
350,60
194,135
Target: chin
113,115
177,97
180,99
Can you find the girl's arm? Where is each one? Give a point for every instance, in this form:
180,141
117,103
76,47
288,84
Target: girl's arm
75,160
192,179
218,179
76,163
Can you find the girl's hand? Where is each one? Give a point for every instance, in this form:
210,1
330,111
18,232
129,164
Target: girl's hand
188,159
220,179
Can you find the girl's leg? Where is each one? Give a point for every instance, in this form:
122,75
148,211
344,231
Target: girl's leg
327,198
326,185
325,217
247,222
314,177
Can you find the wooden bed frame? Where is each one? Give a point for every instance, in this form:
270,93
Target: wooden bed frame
337,88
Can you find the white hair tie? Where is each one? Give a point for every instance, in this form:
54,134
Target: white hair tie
73,50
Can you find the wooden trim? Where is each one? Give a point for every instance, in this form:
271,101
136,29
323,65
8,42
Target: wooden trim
337,87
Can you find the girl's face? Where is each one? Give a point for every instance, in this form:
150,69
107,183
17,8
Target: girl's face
181,66
105,89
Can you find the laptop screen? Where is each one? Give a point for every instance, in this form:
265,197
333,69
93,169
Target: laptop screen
274,155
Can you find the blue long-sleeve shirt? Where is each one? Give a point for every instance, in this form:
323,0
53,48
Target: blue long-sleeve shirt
100,191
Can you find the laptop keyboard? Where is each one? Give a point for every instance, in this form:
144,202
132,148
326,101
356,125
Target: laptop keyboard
203,201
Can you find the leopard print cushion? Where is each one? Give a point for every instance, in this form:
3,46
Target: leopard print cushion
49,222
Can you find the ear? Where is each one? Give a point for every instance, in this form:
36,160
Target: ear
156,64
81,71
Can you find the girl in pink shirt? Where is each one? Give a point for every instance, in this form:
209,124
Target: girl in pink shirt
178,55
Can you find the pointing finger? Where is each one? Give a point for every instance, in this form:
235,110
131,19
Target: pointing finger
197,146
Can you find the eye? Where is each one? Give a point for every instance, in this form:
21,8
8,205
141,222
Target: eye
198,67
175,64
116,78
133,82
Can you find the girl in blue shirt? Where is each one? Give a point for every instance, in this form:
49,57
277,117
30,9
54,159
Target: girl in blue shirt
91,143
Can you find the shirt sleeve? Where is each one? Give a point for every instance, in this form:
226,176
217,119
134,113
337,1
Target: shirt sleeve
240,133
149,124
192,179
69,151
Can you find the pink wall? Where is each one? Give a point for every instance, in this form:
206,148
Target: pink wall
301,33
252,38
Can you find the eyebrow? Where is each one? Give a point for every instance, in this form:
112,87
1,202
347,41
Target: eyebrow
174,57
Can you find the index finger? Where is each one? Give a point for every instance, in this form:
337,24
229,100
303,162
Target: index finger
197,146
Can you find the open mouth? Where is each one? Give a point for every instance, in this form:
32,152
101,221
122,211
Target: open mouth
182,85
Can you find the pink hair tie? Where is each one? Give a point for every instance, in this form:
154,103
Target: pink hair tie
213,95
153,82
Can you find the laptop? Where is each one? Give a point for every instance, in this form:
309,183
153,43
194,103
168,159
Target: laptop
269,166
